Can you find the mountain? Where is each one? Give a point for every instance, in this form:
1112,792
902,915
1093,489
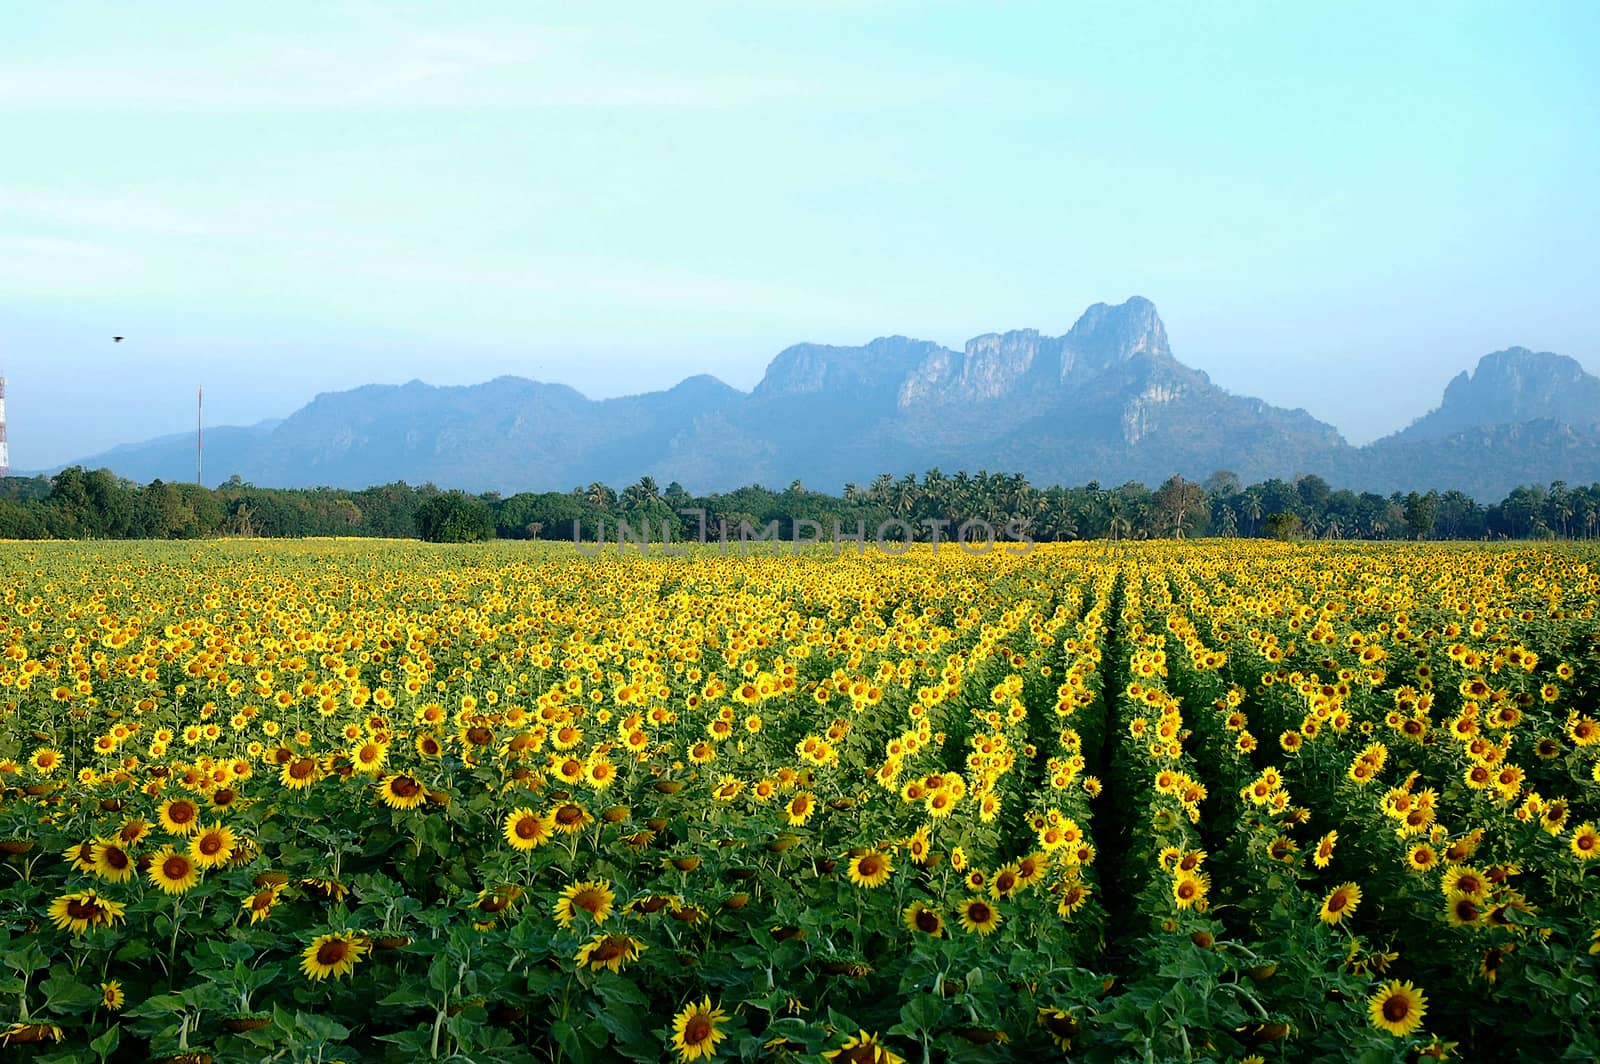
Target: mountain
1107,400
1511,387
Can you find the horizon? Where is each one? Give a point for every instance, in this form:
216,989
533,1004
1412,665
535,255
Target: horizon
618,201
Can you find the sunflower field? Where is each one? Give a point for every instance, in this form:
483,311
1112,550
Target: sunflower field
1213,801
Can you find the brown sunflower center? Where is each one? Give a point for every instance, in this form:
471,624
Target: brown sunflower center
211,844
182,812
302,769
871,865
569,814
80,909
333,952
609,949
590,901
697,1030
114,858
927,922
979,913
1396,1008
527,828
175,867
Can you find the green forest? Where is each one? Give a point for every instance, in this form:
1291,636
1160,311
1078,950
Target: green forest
77,503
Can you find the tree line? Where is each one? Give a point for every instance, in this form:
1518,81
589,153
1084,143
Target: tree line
78,503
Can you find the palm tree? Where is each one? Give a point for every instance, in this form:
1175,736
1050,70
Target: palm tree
1252,510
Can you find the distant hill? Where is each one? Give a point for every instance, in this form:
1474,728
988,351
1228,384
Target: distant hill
1106,401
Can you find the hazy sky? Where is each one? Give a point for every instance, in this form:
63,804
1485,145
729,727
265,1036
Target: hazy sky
1336,208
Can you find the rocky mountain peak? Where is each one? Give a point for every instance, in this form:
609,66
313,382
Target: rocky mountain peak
1511,387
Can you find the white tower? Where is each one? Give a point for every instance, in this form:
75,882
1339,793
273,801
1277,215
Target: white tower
5,451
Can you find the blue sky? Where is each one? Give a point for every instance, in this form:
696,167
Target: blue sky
1337,208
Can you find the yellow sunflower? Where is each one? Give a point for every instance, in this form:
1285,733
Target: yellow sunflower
1190,890
214,845
399,790
111,862
978,915
1585,844
525,830
921,919
334,955
259,905
571,818
695,1030
870,870
1340,903
171,871
609,951
85,909
1397,1007
591,896
180,816
1324,854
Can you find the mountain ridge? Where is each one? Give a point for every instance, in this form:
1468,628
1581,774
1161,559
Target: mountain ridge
1107,400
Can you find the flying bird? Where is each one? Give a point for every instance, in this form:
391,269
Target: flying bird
116,339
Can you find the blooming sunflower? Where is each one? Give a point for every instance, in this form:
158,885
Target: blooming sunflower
609,951
1421,857
800,808
526,830
1324,854
180,816
1340,903
571,818
80,856
1073,896
1585,844
214,845
398,790
919,918
1190,890
695,1030
171,871
299,773
133,831
1397,1007
591,896
111,996
1463,909
259,905
870,870
111,862
978,915
334,955
85,909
